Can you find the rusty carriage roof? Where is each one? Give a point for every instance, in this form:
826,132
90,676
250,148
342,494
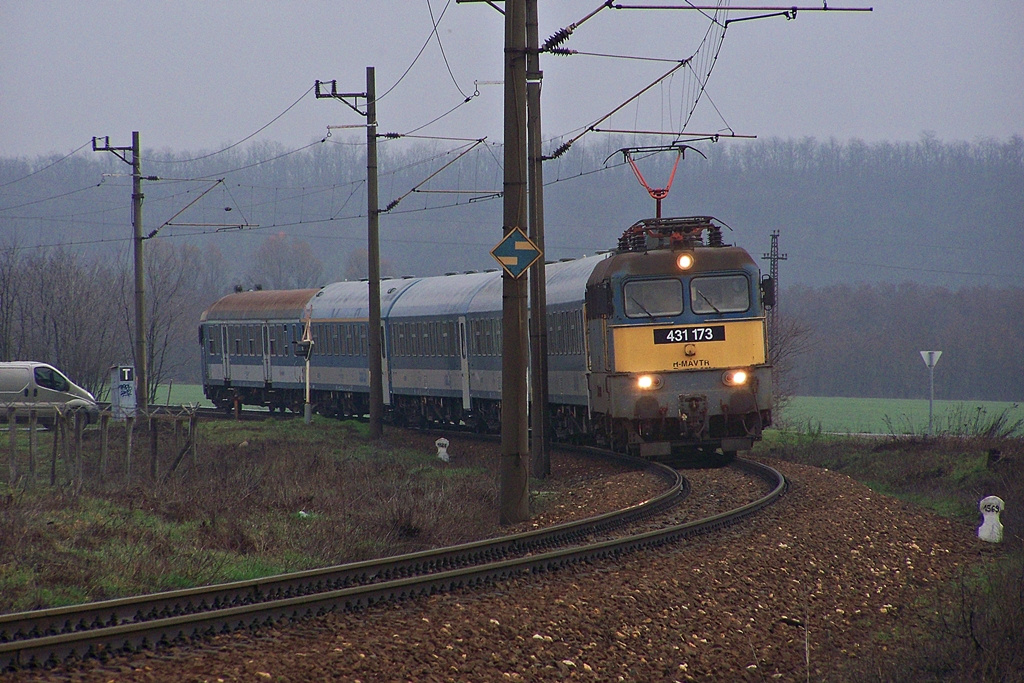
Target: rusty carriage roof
271,304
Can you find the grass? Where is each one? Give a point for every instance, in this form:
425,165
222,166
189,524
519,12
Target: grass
976,632
883,416
174,394
261,498
843,415
276,496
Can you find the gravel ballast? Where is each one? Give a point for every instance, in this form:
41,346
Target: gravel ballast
827,575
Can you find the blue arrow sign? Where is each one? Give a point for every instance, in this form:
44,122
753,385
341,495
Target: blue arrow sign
516,253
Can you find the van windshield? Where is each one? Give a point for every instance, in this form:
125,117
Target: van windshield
48,378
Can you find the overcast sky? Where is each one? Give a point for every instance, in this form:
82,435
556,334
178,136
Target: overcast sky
196,76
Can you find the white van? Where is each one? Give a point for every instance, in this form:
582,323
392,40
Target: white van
28,385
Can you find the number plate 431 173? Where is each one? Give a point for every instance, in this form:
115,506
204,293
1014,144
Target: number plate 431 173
683,335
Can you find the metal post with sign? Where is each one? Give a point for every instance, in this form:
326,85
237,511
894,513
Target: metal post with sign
306,348
516,252
122,392
930,358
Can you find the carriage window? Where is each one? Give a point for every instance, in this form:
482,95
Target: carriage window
723,294
650,298
474,337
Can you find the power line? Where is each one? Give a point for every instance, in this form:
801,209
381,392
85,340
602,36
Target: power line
234,144
50,165
441,47
49,199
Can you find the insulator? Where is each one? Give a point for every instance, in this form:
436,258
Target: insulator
559,37
559,152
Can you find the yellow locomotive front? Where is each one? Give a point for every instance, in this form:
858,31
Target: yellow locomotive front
677,352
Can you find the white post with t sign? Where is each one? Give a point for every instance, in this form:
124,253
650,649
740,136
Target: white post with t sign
122,391
930,358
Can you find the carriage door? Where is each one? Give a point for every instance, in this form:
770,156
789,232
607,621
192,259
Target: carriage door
267,376
464,361
225,350
384,369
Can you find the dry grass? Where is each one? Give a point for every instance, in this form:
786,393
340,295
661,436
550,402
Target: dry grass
975,625
258,499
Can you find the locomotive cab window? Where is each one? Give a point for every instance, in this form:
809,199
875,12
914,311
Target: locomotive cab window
651,298
720,294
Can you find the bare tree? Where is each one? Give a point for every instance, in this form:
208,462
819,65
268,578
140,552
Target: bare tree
9,258
61,312
175,276
792,339
356,267
283,263
213,276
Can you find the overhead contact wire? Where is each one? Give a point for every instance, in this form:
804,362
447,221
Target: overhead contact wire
234,144
50,165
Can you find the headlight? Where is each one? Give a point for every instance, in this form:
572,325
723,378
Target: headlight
648,382
735,378
684,261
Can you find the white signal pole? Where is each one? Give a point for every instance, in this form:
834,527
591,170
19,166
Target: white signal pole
930,358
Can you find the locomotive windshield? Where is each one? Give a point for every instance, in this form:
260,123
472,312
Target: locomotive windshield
722,294
650,298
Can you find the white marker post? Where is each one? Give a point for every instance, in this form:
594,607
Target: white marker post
930,358
991,528
442,449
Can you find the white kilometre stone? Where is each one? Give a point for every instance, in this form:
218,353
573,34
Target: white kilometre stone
442,448
991,528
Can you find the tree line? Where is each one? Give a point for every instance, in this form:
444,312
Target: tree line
867,228
865,341
76,312
932,212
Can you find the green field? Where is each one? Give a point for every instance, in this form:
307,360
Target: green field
182,394
807,413
885,415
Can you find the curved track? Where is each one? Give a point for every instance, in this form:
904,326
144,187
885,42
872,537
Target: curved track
52,636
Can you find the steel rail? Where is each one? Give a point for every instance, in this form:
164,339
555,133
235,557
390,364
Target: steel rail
279,598
37,625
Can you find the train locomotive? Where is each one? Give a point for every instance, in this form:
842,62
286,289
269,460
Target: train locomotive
657,348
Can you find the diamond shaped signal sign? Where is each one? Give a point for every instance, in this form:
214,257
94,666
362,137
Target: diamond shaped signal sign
516,253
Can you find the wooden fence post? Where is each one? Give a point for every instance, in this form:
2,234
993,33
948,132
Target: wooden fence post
57,422
79,464
104,443
193,435
177,433
154,436
12,431
33,419
129,429
67,434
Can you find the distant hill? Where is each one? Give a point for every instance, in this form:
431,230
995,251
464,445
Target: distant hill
929,212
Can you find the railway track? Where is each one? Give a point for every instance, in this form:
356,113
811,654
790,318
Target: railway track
49,637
